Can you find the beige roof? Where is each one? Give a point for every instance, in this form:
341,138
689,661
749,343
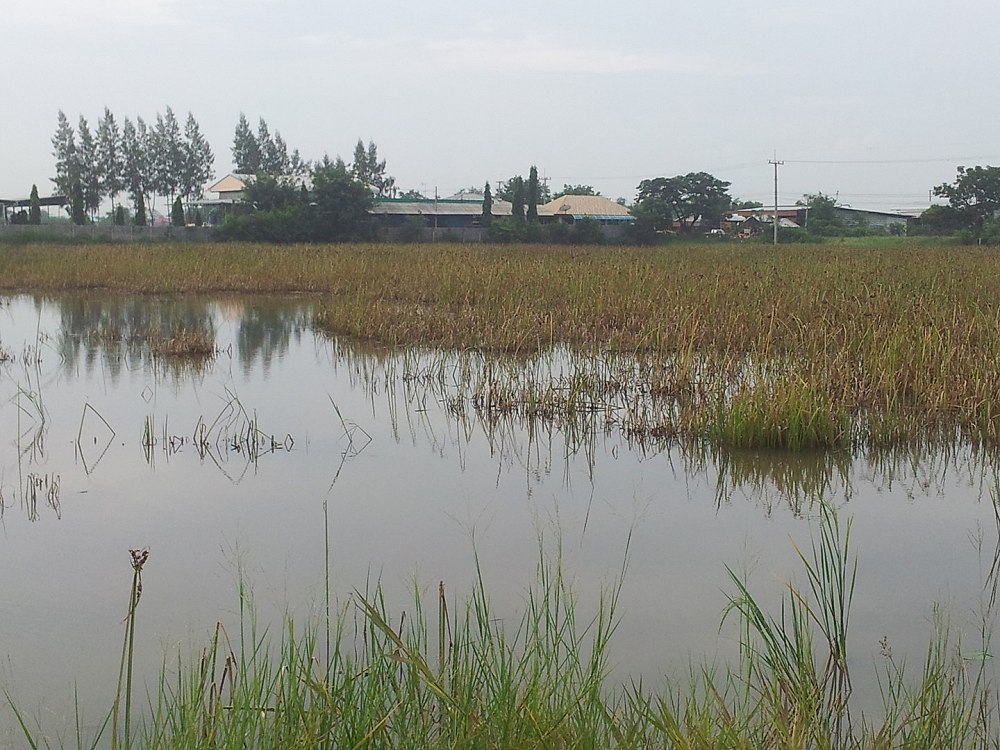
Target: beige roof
231,183
582,205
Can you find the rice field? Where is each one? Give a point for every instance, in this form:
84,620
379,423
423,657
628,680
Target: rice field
792,348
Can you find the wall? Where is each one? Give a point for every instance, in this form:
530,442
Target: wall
105,232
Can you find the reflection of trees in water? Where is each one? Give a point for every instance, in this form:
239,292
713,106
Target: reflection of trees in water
266,329
116,331
797,479
415,385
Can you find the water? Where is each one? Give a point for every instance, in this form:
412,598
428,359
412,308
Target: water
246,466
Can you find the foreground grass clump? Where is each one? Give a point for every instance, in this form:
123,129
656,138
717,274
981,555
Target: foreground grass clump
749,346
466,678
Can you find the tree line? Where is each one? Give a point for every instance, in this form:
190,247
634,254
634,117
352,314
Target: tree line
137,159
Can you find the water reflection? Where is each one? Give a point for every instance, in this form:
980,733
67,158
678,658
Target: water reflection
108,447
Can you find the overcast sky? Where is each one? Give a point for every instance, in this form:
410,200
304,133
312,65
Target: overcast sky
874,101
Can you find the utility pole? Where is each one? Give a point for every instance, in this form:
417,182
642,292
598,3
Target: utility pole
776,164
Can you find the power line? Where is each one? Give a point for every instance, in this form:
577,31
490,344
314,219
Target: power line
933,160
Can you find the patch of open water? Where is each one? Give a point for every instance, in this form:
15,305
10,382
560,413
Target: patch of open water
285,442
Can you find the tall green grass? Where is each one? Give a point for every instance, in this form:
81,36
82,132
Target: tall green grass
447,674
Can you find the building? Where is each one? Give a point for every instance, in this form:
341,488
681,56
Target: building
570,209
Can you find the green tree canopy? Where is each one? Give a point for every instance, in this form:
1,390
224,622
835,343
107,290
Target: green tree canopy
686,199
487,219
34,207
975,195
532,195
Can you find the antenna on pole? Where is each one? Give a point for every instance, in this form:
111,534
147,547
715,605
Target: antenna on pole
776,164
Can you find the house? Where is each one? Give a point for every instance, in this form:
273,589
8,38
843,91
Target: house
229,189
455,212
859,217
570,209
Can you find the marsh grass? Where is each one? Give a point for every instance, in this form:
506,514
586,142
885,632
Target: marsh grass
794,347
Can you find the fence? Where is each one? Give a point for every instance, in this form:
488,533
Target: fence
104,232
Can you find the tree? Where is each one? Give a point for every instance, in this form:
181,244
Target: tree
487,206
341,203
273,151
517,199
246,150
110,168
34,207
77,206
575,190
137,165
821,216
685,199
64,150
942,219
139,219
370,171
414,195
269,193
742,205
177,213
198,160
532,195
120,216
506,191
975,195
168,155
90,179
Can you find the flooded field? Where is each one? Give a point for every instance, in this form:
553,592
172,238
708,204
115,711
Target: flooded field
287,464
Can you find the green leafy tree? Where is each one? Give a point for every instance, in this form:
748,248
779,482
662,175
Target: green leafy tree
341,203
110,166
137,164
532,195
368,169
64,151
168,155
517,199
177,213
90,171
34,207
198,160
77,204
821,215
942,220
269,193
684,199
575,190
139,219
120,216
487,206
742,205
975,195
245,150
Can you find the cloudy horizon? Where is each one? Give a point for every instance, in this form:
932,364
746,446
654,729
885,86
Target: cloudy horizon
875,105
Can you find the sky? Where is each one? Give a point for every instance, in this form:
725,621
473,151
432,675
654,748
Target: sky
873,102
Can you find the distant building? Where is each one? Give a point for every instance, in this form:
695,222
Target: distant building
456,212
570,209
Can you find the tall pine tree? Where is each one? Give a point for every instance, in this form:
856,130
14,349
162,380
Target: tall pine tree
533,195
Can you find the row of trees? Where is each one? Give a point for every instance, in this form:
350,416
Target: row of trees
137,159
